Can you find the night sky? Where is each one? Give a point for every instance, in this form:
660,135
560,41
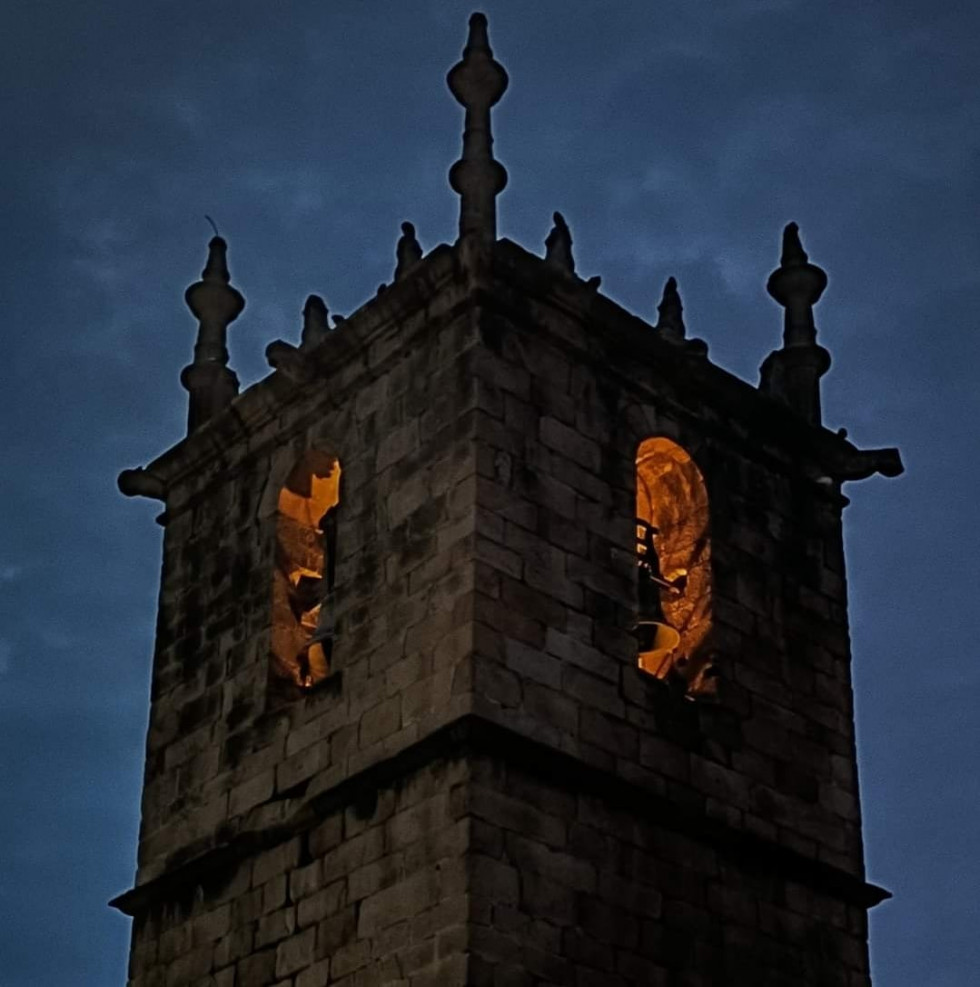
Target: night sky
676,138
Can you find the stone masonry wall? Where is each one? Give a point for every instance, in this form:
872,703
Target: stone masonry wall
568,389
482,869
375,893
577,889
486,572
395,404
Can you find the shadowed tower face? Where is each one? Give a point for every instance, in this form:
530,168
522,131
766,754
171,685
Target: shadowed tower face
502,638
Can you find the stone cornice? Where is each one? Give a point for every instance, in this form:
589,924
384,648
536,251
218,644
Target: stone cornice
473,736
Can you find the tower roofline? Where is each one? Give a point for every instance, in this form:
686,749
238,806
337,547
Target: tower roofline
473,735
790,376
373,330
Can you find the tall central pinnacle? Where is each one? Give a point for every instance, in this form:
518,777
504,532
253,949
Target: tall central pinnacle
478,81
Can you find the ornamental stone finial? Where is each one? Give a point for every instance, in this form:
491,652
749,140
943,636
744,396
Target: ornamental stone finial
797,285
671,313
292,361
215,304
558,246
477,82
408,251
216,266
792,374
793,253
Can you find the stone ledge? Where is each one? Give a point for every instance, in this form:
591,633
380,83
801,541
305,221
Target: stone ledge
472,735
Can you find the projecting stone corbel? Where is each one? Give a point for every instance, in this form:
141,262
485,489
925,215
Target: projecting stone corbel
859,464
141,483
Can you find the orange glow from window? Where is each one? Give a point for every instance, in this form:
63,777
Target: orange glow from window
672,522
301,639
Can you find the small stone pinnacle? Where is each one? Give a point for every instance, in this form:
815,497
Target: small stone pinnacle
793,253
408,252
315,325
558,246
671,313
216,267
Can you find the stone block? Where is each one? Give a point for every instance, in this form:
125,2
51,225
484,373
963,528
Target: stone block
316,975
305,881
530,663
550,707
295,953
609,733
321,904
592,691
256,970
380,721
349,958
275,926
251,793
407,897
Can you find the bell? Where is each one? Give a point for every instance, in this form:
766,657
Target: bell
656,645
656,639
313,660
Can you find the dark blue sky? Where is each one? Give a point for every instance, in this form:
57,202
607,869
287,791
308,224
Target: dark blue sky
677,138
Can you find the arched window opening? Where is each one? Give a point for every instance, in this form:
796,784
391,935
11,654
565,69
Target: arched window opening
673,552
303,582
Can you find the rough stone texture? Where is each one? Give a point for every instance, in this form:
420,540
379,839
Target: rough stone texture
486,789
578,890
395,403
372,893
580,398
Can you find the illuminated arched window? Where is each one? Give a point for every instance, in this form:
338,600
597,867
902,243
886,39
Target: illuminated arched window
306,558
674,565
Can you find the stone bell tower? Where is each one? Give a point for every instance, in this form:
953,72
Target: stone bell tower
502,639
